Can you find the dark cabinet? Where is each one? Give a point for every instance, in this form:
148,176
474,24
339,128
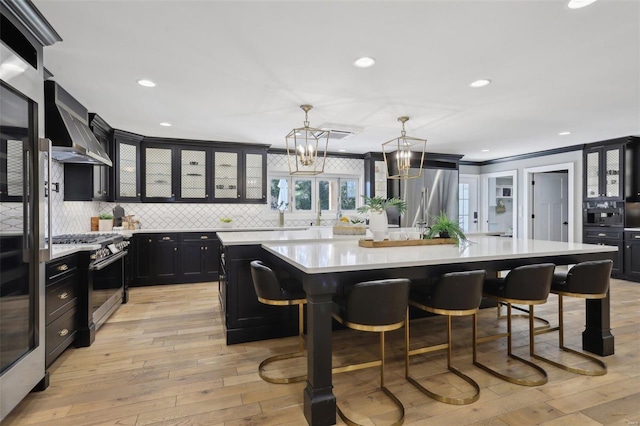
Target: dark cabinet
199,259
159,171
608,237
126,166
193,174
246,319
102,175
156,259
632,255
61,299
604,172
175,258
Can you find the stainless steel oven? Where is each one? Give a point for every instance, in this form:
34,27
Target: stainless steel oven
103,288
603,213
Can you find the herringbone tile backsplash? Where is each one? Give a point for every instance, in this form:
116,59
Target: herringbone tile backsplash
75,216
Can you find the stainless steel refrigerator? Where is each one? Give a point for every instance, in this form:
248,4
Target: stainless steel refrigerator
24,168
436,191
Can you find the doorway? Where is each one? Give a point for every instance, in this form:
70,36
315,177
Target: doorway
468,203
550,206
545,208
499,203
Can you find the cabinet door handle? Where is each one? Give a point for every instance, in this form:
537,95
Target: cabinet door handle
602,235
166,238
63,332
63,267
138,194
636,237
63,296
149,239
201,248
204,237
206,248
175,249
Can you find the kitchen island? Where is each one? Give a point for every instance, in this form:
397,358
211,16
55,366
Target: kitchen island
325,267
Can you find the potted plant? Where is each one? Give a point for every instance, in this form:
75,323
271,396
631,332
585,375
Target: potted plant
377,209
105,222
445,228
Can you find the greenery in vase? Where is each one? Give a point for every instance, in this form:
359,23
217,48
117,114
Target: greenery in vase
443,225
105,216
379,204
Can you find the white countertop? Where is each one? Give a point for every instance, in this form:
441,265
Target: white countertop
345,255
317,233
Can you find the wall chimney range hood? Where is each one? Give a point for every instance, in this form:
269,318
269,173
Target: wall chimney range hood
66,124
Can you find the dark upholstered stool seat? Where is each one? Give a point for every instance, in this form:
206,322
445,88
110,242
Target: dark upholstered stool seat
272,291
377,306
586,280
452,294
527,285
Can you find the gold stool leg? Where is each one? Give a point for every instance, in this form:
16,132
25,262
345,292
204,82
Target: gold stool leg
545,322
393,398
285,380
510,379
598,372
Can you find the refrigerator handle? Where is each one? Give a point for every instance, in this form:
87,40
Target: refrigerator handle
26,220
44,146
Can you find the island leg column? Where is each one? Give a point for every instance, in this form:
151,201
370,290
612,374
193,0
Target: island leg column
597,337
319,400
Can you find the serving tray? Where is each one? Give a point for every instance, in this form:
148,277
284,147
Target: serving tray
404,243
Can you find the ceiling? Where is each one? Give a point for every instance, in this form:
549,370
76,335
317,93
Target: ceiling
238,71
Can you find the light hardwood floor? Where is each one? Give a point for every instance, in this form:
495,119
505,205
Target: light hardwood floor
161,359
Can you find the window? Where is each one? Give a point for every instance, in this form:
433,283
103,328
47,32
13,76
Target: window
334,194
463,206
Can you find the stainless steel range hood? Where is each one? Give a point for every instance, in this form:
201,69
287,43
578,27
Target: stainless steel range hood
66,124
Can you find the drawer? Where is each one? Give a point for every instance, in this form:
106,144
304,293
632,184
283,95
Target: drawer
602,233
631,236
59,268
59,335
60,297
197,236
166,238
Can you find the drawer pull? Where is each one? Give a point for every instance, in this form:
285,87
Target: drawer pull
204,237
166,238
63,296
636,237
602,235
63,267
63,332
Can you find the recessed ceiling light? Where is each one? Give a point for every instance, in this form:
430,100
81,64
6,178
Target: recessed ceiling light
146,83
577,4
364,62
480,83
165,124
564,133
485,150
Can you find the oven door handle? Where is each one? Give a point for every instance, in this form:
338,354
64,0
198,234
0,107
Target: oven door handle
114,258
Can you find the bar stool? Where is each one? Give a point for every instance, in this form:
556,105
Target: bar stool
527,285
586,280
270,291
377,306
452,294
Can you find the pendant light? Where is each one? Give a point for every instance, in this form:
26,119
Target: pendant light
303,148
399,152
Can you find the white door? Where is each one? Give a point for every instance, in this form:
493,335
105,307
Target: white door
468,203
550,207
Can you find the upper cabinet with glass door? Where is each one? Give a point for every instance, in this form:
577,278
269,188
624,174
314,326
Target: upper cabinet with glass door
226,175
127,166
158,173
255,170
604,172
194,164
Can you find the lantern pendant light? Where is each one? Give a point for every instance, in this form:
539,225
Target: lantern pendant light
303,148
399,152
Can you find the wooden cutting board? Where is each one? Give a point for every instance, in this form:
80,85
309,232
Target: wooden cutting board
405,243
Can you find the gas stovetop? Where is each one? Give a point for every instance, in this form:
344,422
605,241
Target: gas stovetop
78,239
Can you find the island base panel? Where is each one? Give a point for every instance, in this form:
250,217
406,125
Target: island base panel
599,342
319,406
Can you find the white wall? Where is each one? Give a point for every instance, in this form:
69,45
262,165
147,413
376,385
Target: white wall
574,157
